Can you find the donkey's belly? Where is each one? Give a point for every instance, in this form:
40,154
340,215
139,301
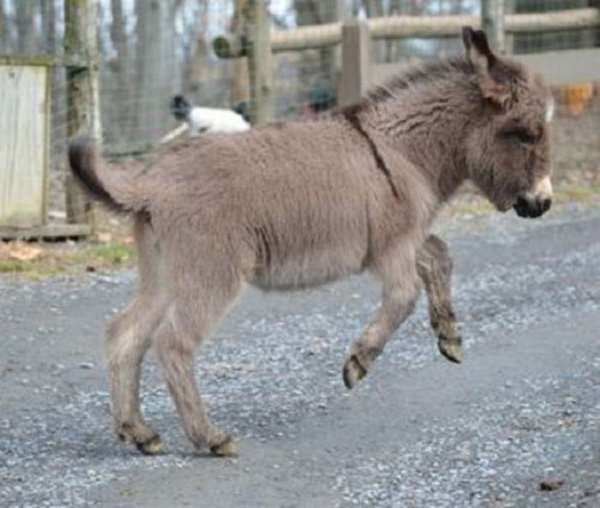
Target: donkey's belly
309,270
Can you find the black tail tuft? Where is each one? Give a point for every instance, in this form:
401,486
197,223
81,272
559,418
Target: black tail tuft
83,160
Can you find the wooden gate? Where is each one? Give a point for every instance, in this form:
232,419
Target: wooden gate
24,145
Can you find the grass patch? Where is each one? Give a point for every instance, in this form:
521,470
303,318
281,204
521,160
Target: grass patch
568,193
66,259
107,255
35,270
471,205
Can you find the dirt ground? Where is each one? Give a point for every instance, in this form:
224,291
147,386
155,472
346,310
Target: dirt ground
516,425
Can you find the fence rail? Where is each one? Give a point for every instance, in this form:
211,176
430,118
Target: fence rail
354,36
398,27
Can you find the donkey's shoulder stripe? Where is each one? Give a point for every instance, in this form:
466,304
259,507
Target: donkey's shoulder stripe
351,115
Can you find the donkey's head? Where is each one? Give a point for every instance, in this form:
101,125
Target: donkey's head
507,153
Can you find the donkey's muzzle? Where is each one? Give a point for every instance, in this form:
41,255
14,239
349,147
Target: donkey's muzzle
532,208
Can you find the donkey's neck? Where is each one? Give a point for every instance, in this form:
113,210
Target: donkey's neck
427,114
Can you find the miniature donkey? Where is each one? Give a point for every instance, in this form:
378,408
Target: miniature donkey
300,204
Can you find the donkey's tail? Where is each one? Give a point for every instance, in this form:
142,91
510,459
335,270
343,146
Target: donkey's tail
116,189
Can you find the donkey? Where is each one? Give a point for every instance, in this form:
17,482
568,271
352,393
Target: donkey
294,205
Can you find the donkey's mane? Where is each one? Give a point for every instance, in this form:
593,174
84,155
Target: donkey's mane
417,74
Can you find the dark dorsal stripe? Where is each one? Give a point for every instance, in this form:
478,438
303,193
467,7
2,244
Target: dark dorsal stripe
351,114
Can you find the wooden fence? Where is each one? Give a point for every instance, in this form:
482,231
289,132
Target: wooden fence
355,37
25,122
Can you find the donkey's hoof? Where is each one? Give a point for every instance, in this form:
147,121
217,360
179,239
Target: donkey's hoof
353,372
227,448
152,446
452,349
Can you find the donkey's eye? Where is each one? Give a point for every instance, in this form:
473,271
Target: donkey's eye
521,136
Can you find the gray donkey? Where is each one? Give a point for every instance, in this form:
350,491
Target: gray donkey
295,205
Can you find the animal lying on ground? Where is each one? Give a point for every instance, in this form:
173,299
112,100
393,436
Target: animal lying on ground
295,205
207,120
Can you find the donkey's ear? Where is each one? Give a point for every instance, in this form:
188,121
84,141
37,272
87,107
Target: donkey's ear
494,76
477,47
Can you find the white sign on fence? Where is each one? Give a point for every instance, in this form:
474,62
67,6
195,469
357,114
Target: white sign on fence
24,115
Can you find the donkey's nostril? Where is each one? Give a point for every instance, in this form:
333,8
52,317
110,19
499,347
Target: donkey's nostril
521,207
546,204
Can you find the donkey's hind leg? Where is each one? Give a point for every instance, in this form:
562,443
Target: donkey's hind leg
400,292
128,339
196,310
435,270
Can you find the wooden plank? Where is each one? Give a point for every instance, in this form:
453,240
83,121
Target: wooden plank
398,27
571,19
28,60
557,67
48,232
23,145
307,37
355,61
47,140
44,61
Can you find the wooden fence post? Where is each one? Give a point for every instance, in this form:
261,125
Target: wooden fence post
355,61
492,22
81,55
260,59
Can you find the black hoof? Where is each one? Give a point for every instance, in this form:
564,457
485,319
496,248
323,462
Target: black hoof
353,372
152,446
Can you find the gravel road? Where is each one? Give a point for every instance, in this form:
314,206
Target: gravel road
516,425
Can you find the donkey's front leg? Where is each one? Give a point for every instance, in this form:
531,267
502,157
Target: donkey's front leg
400,292
435,270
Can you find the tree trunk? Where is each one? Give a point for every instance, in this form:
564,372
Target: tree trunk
4,29
240,87
120,117
196,70
155,68
58,130
396,50
374,9
323,79
329,12
118,34
25,27
49,25
83,115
